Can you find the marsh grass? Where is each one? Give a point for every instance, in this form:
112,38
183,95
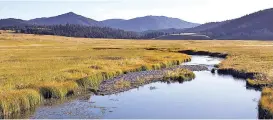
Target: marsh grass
18,100
58,90
266,101
258,83
179,75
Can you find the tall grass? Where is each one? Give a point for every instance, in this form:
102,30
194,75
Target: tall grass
18,100
266,102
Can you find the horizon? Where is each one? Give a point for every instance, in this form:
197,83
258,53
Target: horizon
196,11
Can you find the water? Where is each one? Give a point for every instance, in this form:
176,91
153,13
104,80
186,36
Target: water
207,96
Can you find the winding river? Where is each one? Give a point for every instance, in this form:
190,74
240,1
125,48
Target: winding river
207,96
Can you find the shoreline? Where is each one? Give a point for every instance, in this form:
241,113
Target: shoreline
252,80
147,80
71,88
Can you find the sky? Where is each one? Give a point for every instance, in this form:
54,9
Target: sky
198,11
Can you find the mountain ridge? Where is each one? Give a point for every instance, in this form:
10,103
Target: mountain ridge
137,24
150,22
254,26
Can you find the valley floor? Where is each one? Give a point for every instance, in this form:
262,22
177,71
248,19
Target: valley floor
32,66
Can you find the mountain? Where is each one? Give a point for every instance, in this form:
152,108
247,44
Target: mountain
145,23
138,24
255,26
67,18
12,22
204,27
112,22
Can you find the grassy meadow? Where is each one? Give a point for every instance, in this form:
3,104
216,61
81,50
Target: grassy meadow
33,67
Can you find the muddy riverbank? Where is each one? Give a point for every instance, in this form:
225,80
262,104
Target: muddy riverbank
136,79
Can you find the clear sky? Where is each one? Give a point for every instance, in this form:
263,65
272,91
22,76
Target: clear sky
199,11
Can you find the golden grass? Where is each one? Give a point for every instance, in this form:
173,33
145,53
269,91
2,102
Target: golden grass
266,101
61,64
179,75
18,100
56,66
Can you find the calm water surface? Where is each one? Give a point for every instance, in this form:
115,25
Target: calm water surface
207,96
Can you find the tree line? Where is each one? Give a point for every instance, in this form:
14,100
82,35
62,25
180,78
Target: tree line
71,30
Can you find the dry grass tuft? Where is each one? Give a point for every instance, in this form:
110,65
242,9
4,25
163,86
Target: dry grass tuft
179,75
266,101
18,100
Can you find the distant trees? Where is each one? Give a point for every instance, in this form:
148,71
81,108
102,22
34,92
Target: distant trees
151,35
71,30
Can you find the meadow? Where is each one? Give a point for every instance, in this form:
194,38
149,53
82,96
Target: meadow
35,67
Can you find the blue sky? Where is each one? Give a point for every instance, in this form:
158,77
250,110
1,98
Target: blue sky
199,11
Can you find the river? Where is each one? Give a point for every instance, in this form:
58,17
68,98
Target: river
207,96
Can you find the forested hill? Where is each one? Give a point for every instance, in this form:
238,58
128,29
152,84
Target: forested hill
255,26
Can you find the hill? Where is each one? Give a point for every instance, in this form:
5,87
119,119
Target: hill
12,22
67,18
145,23
204,27
255,26
112,22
